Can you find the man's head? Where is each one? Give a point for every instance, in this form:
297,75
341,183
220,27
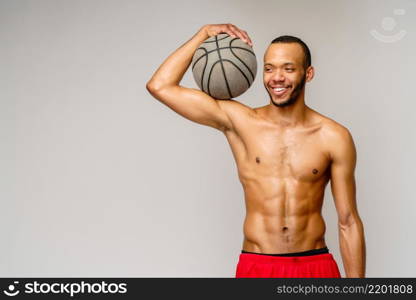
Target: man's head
287,67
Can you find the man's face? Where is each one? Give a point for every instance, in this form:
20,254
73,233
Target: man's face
284,75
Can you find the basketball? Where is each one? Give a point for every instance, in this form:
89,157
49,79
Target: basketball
224,67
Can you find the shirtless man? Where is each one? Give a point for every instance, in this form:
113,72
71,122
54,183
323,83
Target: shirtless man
285,154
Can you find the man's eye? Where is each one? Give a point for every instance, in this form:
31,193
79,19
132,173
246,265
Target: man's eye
289,69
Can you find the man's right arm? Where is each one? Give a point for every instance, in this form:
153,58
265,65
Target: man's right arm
192,104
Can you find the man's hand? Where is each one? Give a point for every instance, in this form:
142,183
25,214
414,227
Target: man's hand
194,104
230,29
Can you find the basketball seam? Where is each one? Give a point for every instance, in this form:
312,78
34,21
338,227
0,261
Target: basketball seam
207,42
197,60
203,70
230,61
222,68
208,52
231,49
209,75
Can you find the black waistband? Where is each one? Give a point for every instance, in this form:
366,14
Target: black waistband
303,253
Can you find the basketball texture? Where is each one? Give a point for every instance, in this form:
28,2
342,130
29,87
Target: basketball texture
224,67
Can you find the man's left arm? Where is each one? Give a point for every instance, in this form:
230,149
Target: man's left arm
350,227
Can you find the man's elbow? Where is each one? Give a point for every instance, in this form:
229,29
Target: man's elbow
349,220
153,87
157,89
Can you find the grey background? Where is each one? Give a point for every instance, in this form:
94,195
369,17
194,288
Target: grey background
100,179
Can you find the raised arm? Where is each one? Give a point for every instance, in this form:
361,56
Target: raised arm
350,226
192,104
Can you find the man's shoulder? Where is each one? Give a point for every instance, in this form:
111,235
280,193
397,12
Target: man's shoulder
235,108
333,129
337,138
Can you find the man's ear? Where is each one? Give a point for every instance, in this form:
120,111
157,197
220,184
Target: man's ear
310,72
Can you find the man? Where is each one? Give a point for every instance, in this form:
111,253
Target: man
285,154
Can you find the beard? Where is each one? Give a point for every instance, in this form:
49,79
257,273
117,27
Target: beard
293,96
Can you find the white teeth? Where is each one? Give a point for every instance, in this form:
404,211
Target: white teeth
279,89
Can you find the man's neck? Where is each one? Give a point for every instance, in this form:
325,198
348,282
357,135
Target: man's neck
289,116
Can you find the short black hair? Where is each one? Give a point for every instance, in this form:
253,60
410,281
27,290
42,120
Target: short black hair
293,39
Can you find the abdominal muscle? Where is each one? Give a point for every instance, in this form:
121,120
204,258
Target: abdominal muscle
284,172
283,216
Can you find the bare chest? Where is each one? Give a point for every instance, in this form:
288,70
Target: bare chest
290,154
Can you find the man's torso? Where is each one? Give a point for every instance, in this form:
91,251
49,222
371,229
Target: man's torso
284,171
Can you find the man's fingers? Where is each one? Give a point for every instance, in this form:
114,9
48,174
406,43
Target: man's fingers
240,34
248,38
231,30
237,31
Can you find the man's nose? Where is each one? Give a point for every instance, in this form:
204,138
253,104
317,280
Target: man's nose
278,76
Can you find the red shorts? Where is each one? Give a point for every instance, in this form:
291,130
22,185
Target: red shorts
266,266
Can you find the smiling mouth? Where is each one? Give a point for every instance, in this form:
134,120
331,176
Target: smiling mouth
279,91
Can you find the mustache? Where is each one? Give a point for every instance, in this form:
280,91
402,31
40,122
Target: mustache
293,96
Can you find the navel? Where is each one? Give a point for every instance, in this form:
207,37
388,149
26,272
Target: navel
315,171
258,160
